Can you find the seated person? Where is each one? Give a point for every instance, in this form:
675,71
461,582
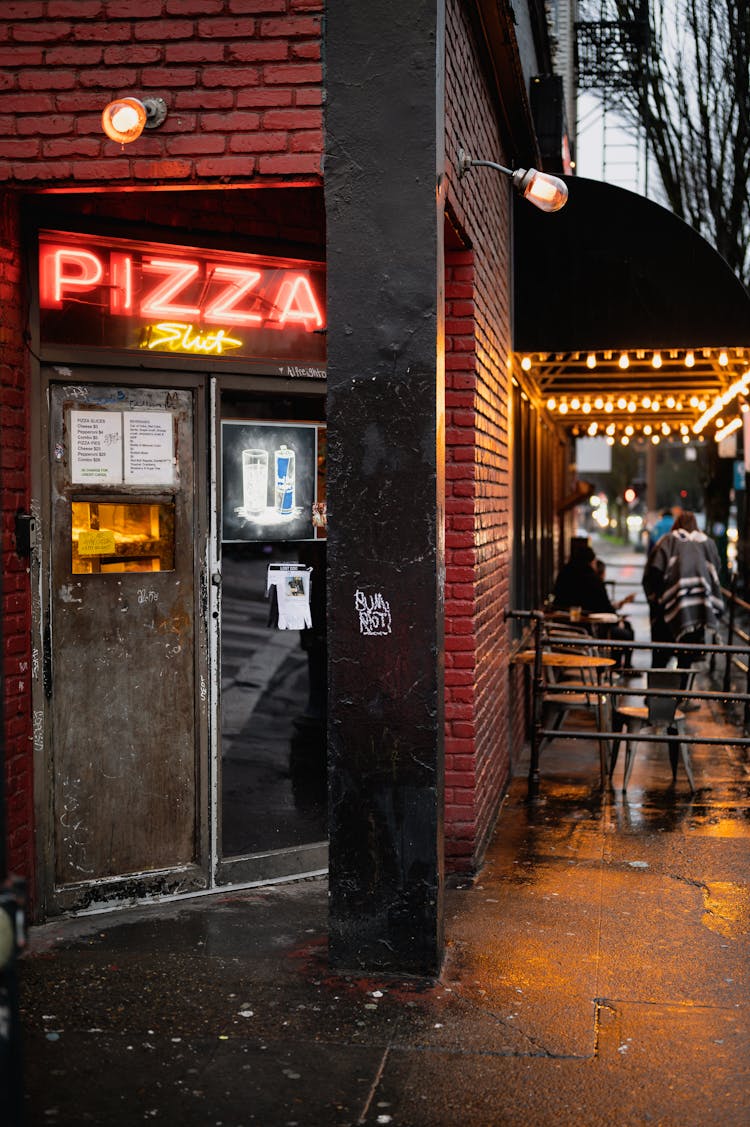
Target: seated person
578,584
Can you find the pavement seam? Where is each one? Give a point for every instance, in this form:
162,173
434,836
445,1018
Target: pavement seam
374,1086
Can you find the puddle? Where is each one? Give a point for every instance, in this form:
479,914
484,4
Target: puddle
726,909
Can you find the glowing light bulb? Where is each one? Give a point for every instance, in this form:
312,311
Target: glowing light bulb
551,403
686,438
632,406
655,439
622,403
624,360
563,408
629,429
647,429
593,428
689,359
575,404
665,429
646,401
723,358
586,408
610,440
526,363
609,407
611,428
599,403
624,440
670,401
591,360
655,405
656,360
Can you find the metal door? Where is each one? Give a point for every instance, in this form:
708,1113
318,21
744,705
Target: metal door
122,646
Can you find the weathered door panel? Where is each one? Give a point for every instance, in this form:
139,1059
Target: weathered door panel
122,678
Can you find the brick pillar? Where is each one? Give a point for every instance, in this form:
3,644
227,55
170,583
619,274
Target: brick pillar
384,137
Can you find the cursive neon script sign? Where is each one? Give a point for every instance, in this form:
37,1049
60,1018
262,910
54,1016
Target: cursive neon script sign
177,337
178,299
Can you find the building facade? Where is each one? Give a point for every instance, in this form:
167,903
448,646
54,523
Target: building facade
270,480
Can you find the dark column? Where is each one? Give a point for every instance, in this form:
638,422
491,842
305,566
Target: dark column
383,172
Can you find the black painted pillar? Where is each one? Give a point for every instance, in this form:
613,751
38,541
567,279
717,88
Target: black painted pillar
384,215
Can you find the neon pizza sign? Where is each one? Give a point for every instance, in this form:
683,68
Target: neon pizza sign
174,299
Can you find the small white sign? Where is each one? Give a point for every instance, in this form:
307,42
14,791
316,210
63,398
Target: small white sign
149,448
96,447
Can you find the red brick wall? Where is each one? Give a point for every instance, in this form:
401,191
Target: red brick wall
241,79
14,490
481,727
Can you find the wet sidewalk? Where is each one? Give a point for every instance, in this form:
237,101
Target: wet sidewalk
596,971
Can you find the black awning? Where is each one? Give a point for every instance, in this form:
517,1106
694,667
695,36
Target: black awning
629,274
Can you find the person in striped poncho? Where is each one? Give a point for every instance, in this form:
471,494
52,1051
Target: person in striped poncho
681,581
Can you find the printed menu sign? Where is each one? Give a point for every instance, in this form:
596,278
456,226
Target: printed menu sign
112,447
96,447
149,452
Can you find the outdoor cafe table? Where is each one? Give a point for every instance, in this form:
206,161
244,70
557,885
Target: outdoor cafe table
553,659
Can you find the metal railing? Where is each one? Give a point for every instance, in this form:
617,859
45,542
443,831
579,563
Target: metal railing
534,636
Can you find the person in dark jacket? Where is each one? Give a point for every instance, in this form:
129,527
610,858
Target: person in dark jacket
681,581
579,584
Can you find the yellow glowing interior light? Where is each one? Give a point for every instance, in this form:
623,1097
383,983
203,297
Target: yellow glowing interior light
655,405
593,428
629,428
701,405
591,360
632,405
665,429
526,363
575,403
719,423
684,428
586,408
624,360
622,403
624,440
655,439
656,360
598,402
551,403
723,358
646,401
693,400
670,401
686,438
563,408
611,428
609,407
610,440
647,429
689,359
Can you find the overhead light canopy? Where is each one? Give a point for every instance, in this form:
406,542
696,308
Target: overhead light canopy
546,192
125,119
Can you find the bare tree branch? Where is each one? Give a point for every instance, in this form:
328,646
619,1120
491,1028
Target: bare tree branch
682,75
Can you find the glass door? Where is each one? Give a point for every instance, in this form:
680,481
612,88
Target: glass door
270,608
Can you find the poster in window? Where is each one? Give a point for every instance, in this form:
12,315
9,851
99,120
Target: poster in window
269,480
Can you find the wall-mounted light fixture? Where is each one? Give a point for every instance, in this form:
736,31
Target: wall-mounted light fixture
546,192
125,119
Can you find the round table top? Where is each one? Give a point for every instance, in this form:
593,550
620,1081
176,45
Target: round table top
567,660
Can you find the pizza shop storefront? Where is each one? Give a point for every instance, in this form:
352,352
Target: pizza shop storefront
178,587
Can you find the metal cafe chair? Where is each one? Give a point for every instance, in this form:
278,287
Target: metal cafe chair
659,716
